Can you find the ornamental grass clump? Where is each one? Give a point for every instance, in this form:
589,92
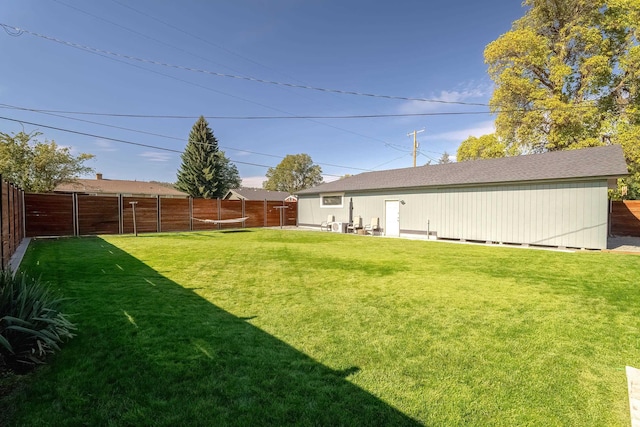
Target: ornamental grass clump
31,324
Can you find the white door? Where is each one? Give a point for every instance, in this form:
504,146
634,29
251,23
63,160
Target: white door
392,218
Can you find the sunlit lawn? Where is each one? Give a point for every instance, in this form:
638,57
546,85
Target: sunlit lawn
270,327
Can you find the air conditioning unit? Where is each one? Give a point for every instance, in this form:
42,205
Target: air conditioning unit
339,227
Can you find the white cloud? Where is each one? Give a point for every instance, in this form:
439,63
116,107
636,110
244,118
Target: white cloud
466,93
241,153
253,181
256,181
155,156
104,145
482,128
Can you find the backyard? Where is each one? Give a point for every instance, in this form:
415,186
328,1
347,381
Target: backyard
279,327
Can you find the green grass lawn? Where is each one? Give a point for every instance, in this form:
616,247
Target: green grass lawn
271,327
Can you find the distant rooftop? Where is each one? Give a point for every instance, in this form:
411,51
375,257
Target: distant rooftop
596,162
117,186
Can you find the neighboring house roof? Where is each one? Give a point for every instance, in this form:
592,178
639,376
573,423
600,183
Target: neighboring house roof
117,186
597,162
256,194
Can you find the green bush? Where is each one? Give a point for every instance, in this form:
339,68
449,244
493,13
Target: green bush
31,324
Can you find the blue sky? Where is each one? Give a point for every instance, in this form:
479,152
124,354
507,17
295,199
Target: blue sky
407,49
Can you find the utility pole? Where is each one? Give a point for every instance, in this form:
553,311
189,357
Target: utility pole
415,144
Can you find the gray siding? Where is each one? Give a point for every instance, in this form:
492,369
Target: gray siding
311,214
570,214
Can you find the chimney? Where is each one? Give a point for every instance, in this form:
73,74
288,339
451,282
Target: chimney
98,176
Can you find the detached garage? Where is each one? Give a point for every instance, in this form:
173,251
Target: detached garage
551,199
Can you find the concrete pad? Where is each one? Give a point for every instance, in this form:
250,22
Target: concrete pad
623,244
16,259
633,380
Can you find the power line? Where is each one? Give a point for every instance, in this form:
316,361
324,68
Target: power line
240,98
161,116
177,138
105,53
390,161
234,76
176,28
155,147
109,55
141,34
295,117
91,135
181,30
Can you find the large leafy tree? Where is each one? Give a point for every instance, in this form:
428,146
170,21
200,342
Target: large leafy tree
567,75
484,147
295,172
205,171
37,166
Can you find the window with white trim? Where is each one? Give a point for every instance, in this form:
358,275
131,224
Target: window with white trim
331,200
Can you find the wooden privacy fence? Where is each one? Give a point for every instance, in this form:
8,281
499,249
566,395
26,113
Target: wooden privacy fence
11,221
625,218
82,214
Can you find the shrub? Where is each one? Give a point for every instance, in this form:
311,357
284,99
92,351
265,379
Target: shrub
31,324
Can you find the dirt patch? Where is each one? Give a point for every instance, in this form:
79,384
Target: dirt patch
11,385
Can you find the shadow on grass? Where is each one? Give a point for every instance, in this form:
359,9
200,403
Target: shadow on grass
150,352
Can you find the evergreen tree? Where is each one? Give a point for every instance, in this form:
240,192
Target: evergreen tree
444,159
205,171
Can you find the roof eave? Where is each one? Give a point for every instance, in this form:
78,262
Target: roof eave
461,185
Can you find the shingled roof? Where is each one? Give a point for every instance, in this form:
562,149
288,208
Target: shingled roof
117,186
596,162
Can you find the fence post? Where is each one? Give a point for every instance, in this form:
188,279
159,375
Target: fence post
74,214
23,208
11,224
158,225
120,214
16,216
609,213
133,207
244,223
190,213
219,212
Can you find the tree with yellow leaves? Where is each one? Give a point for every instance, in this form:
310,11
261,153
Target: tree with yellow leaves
567,75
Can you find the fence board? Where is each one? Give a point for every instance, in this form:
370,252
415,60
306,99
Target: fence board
146,214
174,214
49,214
254,209
11,221
53,214
205,209
5,225
18,227
98,215
625,218
231,209
291,214
273,214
